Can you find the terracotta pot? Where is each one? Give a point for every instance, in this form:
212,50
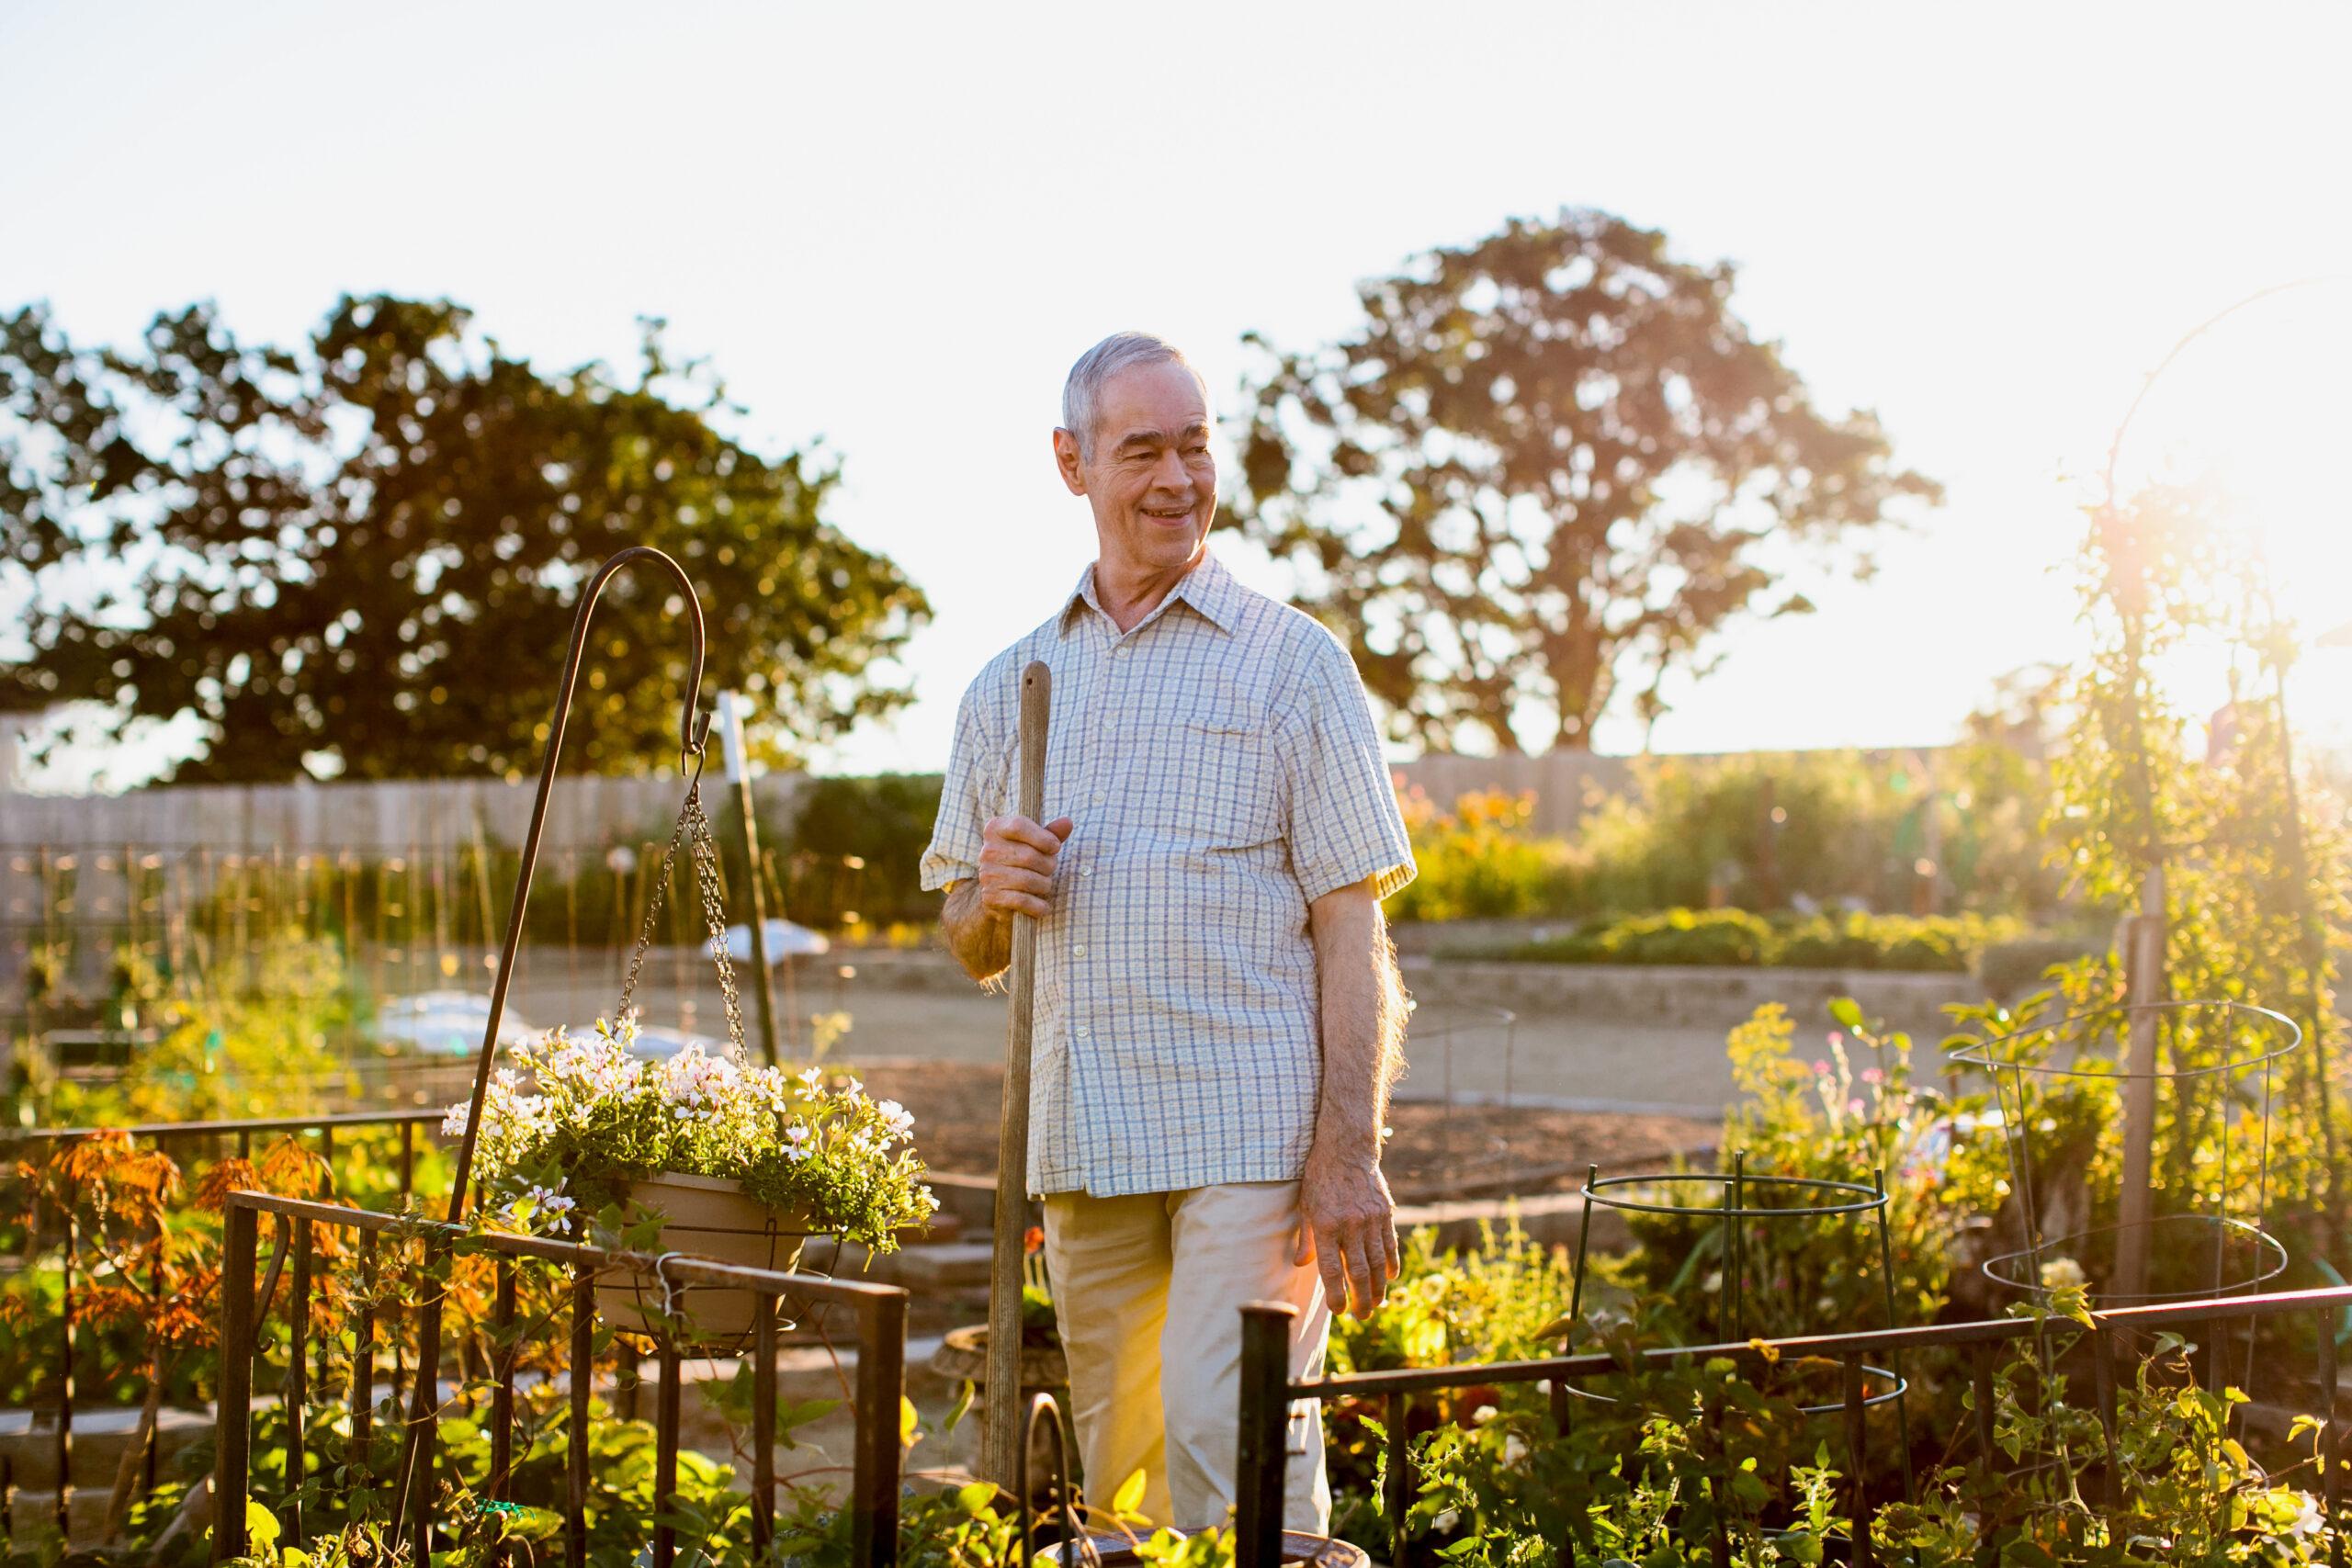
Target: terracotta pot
705,1218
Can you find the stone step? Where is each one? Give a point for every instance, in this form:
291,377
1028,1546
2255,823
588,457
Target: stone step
927,1269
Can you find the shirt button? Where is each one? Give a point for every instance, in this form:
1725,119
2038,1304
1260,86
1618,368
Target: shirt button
1078,953
1086,1034
1086,871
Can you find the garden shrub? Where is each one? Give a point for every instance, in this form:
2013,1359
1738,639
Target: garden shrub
1942,944
1947,944
1672,936
1763,830
1477,860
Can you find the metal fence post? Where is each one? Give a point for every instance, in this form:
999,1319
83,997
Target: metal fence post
1265,1418
665,1455
1855,1445
65,1372
763,1308
234,1442
296,1395
581,1373
881,1386
1397,1495
501,1398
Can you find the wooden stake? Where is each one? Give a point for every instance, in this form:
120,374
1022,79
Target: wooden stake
1003,1410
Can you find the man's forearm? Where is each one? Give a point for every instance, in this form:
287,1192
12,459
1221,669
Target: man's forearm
980,939
1363,1023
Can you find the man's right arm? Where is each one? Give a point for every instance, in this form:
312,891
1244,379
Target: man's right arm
1016,879
982,943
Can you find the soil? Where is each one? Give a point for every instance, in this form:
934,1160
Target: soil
1436,1153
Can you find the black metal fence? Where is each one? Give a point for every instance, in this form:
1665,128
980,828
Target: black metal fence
53,1237
1266,1393
879,1310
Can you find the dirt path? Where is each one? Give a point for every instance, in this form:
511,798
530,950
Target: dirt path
1473,1151
1552,1057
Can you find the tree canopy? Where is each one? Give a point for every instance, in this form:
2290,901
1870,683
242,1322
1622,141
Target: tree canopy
1547,466
359,557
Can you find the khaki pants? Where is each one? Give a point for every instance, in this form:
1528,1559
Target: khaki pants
1149,1290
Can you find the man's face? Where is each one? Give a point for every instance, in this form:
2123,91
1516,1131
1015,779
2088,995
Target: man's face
1149,477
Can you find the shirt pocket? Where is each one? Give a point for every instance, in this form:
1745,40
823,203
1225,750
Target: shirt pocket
1229,792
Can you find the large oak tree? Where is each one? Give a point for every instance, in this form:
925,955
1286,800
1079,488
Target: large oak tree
1548,465
359,555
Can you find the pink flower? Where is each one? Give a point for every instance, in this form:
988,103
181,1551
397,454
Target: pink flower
1837,1038
1853,1108
1874,1075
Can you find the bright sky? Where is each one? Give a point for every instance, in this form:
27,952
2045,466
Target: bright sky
896,227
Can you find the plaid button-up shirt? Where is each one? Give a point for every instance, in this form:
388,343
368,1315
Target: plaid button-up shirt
1223,769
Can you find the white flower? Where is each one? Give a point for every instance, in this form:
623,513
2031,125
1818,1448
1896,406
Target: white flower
2062,1274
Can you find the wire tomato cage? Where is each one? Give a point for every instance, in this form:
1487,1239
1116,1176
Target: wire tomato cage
2219,1063
2230,1045
1745,1199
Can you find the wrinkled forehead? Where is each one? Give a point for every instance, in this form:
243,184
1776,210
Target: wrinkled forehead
1165,401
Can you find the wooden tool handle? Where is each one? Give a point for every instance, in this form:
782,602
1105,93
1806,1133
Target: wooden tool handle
1003,1411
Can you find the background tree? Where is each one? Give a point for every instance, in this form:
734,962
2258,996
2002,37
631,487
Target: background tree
1548,464
360,557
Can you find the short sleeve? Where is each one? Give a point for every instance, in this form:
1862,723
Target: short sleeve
972,793
1344,824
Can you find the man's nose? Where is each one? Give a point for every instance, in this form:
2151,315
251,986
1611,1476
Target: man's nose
1169,472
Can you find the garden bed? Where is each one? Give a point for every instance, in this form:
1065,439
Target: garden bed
1466,1151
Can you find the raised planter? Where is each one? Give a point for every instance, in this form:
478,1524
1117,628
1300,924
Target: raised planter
1694,996
964,1355
705,1218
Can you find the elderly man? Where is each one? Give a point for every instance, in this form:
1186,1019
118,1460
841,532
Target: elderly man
1218,1011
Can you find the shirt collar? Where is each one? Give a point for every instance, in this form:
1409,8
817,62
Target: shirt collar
1208,588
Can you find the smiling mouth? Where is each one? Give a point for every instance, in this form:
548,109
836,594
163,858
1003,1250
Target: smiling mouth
1184,517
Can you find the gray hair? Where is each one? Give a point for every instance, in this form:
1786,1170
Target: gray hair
1121,351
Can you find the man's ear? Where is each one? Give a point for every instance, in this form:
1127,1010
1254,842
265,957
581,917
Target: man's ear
1065,460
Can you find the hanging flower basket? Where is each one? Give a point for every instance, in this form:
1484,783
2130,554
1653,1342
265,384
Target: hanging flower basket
697,1155
707,1217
